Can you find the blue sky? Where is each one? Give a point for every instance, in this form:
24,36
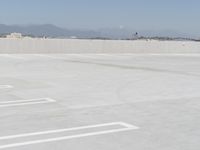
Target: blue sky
180,15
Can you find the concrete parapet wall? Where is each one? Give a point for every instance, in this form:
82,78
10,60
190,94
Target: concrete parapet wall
34,45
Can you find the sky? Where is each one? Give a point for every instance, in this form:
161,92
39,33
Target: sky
178,15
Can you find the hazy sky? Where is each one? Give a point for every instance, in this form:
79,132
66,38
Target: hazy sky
182,15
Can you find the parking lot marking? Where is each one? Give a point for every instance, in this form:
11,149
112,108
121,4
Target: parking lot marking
13,56
124,127
6,86
26,102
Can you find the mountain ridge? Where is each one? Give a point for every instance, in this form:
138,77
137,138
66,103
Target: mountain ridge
50,30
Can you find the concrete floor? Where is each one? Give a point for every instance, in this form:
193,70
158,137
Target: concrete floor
159,95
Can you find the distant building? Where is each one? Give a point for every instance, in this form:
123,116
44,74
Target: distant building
15,35
73,37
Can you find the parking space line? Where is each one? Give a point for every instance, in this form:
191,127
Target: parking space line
26,102
123,127
48,56
12,56
6,86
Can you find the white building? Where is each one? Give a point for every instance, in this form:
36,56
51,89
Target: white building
15,35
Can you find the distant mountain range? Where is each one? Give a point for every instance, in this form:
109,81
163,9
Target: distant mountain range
53,31
47,30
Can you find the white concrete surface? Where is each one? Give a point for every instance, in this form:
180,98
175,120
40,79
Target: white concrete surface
157,93
96,46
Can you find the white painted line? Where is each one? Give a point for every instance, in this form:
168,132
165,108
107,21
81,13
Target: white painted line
6,86
70,129
125,127
12,56
48,56
130,126
26,102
